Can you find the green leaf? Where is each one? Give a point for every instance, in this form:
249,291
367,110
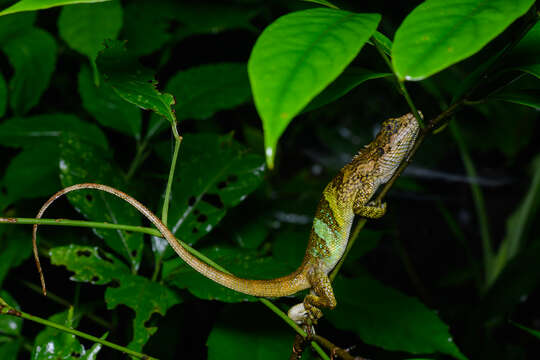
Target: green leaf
133,82
29,131
384,42
518,222
81,162
527,97
296,57
10,349
146,298
3,96
439,33
107,107
14,249
202,91
85,27
527,52
10,325
147,25
30,5
323,2
52,344
530,69
33,172
237,336
90,264
241,262
383,317
201,195
533,332
211,18
11,26
32,53
348,80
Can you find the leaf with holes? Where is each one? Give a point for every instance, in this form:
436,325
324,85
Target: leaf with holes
89,264
146,298
132,82
241,262
439,33
216,173
384,317
82,162
296,57
32,53
204,90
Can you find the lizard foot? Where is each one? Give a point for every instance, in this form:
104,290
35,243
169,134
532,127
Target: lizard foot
313,312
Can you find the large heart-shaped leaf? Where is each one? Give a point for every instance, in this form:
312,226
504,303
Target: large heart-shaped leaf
296,57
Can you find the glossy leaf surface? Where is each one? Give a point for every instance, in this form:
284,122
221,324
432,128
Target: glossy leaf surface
439,33
296,57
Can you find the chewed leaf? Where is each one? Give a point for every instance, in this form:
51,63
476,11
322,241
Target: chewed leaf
133,82
214,174
81,162
146,298
90,264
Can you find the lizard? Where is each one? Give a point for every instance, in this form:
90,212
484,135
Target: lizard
347,195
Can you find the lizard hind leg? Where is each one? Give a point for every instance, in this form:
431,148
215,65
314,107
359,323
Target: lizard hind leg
321,295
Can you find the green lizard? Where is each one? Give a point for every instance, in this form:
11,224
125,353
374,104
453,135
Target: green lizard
347,195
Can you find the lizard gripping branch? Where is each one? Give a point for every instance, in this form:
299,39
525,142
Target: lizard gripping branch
347,195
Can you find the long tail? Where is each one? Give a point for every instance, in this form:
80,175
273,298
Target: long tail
282,286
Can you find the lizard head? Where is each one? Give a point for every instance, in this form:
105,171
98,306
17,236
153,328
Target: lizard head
393,143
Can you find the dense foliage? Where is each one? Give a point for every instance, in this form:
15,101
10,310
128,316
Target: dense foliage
104,92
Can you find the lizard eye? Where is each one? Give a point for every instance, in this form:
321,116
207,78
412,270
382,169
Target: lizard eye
380,151
389,127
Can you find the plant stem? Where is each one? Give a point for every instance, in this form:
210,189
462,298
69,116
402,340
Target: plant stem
400,83
98,320
138,159
6,309
166,200
479,204
79,223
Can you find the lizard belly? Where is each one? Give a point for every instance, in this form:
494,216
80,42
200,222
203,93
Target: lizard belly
330,232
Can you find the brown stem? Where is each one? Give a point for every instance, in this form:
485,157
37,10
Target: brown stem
335,350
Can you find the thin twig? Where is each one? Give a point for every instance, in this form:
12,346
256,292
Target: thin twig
6,309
